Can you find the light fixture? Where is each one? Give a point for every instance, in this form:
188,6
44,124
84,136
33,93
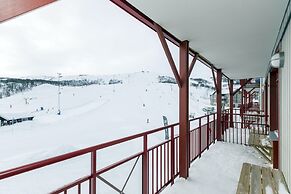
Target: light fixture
277,60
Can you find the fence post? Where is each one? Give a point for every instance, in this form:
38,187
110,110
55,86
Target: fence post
145,166
93,173
208,131
172,155
214,128
200,137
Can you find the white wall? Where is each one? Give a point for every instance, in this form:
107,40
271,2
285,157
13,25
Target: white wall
285,108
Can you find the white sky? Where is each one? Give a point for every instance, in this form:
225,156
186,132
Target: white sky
82,37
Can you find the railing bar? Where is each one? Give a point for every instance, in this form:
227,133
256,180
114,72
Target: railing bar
172,156
165,164
161,167
109,184
157,169
153,165
130,173
79,188
168,161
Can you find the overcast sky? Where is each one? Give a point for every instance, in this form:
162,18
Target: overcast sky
82,37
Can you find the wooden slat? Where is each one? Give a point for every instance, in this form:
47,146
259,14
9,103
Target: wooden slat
267,181
256,180
244,180
251,139
279,179
260,180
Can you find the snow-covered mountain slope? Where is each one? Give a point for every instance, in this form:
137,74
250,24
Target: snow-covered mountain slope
90,115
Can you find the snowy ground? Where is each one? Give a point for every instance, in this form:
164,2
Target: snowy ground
217,171
90,115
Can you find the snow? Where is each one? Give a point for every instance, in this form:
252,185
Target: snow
99,113
217,171
90,115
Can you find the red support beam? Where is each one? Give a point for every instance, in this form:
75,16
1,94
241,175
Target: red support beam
168,53
218,104
274,124
266,92
12,8
242,102
130,9
214,79
245,101
251,90
184,157
242,85
230,84
193,63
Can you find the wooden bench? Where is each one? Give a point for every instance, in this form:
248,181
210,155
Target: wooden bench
261,180
255,140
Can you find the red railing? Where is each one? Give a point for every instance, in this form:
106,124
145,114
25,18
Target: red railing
159,163
242,125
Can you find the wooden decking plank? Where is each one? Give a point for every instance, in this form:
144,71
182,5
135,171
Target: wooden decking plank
244,180
267,181
279,179
251,139
256,180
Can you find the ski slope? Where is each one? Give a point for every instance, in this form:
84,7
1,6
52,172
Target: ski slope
90,115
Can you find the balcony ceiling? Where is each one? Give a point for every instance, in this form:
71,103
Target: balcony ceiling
235,35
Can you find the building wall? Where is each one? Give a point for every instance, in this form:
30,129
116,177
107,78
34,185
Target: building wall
285,109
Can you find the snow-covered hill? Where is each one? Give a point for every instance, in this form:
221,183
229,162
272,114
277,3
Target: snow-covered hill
91,114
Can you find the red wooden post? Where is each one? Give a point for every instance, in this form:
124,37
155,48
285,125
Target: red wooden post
266,101
274,114
218,104
242,103
145,166
184,157
231,102
93,173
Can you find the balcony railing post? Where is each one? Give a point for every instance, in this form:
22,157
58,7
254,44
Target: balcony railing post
172,155
208,131
214,127
145,166
200,137
93,173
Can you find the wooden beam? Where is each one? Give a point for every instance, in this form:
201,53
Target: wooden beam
218,106
12,8
214,79
193,63
242,85
168,53
230,86
184,129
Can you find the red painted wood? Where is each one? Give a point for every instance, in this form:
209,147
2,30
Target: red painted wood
218,105
145,166
231,103
193,63
274,124
168,53
12,8
184,111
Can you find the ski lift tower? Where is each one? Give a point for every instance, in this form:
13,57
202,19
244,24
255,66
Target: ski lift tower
59,93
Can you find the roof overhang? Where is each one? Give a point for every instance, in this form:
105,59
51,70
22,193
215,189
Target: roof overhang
235,36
